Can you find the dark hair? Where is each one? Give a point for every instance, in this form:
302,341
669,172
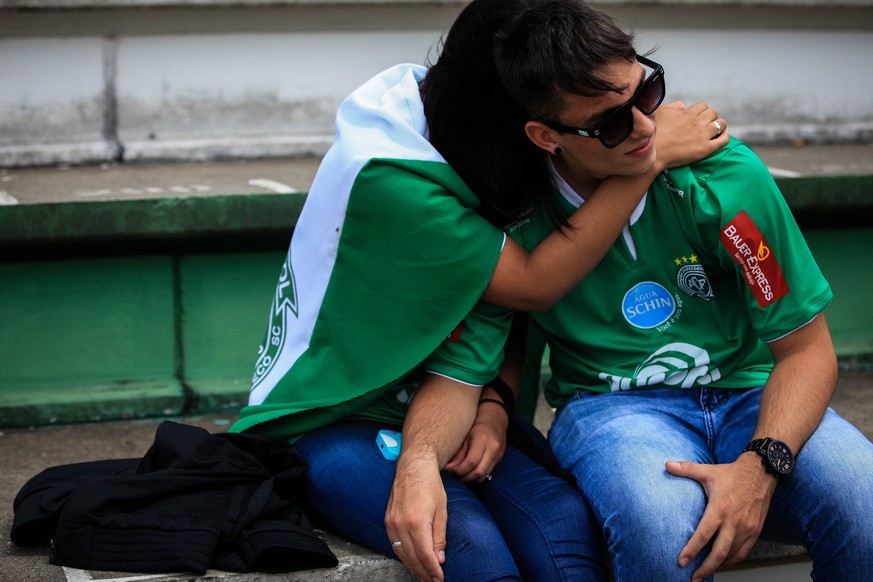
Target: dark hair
559,46
474,122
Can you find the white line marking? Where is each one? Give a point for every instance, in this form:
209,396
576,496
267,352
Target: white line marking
76,575
272,185
143,577
784,173
102,192
7,199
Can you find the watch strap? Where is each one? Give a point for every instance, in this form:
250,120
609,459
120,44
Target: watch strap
760,447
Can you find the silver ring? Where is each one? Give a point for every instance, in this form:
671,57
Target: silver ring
487,477
718,127
397,544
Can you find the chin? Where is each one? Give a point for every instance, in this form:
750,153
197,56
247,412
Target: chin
643,167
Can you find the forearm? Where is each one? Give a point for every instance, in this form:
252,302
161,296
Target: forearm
439,417
535,281
800,387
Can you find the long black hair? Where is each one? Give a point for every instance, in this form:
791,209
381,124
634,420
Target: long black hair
474,122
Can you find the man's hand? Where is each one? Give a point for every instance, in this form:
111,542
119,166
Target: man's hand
440,416
738,499
484,446
416,517
687,134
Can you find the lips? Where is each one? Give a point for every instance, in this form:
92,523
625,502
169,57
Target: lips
643,149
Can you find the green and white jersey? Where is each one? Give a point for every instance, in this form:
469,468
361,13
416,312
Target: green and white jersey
710,266
386,259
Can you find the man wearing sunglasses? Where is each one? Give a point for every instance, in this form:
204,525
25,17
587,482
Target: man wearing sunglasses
692,369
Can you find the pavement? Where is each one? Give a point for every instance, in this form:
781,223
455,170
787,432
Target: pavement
283,175
26,451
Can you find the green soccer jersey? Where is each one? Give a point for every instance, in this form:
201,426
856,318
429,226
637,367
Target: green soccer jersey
710,266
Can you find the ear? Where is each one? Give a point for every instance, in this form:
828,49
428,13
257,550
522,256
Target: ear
541,135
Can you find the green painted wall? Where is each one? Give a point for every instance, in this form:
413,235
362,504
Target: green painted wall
846,259
89,334
131,309
225,302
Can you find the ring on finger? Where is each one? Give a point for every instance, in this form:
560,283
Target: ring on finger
397,544
718,127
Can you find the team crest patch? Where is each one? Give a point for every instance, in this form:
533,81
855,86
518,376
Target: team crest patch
283,307
692,278
746,244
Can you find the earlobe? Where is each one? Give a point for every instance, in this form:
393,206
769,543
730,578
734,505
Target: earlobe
542,137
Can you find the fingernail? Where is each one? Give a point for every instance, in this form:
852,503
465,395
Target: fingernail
442,555
683,562
673,464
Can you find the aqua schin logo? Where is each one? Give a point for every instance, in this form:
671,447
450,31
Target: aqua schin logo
647,305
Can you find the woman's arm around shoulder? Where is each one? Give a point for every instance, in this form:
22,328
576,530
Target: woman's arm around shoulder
535,281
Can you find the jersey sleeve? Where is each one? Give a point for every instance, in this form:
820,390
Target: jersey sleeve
474,351
749,229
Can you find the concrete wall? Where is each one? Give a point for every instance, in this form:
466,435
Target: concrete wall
87,81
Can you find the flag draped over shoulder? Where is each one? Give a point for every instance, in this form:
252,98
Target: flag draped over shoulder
387,257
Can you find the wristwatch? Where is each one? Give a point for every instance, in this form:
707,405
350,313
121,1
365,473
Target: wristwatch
777,456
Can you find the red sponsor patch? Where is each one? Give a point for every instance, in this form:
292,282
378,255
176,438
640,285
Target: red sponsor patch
744,242
455,336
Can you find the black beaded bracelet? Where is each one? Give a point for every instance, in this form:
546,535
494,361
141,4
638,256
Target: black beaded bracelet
505,392
495,401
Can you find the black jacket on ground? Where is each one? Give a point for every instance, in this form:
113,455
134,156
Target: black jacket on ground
195,501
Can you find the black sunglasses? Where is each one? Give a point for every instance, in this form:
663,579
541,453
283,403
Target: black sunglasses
620,123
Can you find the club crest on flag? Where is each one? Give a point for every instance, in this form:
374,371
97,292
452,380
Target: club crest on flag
283,307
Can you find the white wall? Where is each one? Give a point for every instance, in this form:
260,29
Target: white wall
84,81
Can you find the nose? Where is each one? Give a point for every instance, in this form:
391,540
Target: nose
644,125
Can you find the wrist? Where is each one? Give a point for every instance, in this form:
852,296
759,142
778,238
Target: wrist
485,403
775,456
764,480
657,167
505,395
492,413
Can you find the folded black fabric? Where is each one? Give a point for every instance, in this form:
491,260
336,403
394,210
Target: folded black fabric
195,501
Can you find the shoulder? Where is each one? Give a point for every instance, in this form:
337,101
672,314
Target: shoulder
732,172
736,159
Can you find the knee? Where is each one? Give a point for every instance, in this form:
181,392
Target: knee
475,548
646,531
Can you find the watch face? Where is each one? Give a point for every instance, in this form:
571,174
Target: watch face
780,457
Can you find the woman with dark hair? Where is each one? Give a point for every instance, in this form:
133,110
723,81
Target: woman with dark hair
399,239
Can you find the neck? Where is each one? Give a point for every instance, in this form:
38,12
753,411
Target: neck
583,185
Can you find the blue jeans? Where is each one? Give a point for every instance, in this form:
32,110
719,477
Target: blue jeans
525,523
616,445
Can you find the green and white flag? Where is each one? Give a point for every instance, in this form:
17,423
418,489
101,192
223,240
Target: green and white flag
387,257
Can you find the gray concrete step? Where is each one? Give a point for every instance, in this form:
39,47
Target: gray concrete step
25,452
